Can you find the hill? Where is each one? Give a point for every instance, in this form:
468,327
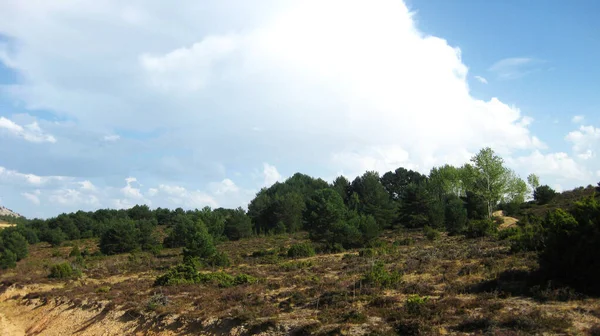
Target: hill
8,213
563,200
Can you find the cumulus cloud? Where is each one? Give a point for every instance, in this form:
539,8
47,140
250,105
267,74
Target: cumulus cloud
31,132
578,119
15,177
585,141
554,166
271,175
196,90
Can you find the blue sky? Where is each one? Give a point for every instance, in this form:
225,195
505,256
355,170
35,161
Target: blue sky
106,104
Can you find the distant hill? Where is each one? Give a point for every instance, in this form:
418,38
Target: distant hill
7,212
564,200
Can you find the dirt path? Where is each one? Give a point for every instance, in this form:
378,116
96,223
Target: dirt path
8,328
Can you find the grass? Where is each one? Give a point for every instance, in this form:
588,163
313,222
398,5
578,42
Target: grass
406,284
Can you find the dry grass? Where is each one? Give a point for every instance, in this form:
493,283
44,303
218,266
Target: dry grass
468,286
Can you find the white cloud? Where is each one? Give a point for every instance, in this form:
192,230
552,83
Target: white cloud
87,185
578,119
130,191
111,138
191,82
13,176
72,197
31,132
481,79
515,67
33,197
271,175
553,166
585,141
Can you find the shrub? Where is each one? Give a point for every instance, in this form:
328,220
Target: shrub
572,244
219,259
481,228
157,300
103,289
180,274
404,242
64,271
8,259
295,265
367,253
122,237
301,250
75,252
415,304
378,276
431,233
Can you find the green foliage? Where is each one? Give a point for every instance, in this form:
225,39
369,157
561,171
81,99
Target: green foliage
481,228
572,246
75,252
301,250
184,229
219,259
415,304
374,199
544,194
200,245
476,206
11,240
431,233
54,237
122,237
296,265
188,274
456,215
7,259
64,271
238,225
378,276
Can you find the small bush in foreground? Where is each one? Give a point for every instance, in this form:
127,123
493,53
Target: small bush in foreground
64,271
481,228
301,250
380,277
188,274
431,233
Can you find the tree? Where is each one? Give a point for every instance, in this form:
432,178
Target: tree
13,241
238,225
516,189
396,182
122,237
374,200
342,186
445,180
200,245
491,179
543,194
7,259
54,237
288,209
324,210
183,230
534,181
415,207
456,215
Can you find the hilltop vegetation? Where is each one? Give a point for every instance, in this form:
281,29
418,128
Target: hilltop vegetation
402,253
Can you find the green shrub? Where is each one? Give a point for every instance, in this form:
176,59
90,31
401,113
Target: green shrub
481,228
415,304
188,274
75,252
301,250
219,259
378,276
543,194
404,242
157,300
64,271
367,253
431,233
103,289
8,259
295,265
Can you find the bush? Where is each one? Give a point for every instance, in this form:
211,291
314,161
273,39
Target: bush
431,233
188,274
415,304
481,228
378,276
8,259
219,259
75,252
64,271
301,250
122,237
157,300
572,246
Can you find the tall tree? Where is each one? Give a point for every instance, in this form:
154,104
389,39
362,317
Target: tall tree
492,179
374,200
445,180
534,181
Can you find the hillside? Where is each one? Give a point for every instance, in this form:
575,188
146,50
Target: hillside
450,286
563,200
7,212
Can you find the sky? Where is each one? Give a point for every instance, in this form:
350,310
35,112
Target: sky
108,104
